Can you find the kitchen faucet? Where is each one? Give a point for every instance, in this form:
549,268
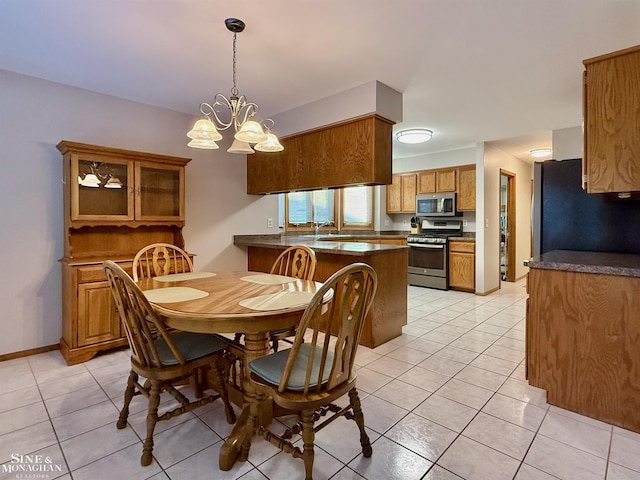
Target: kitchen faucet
320,224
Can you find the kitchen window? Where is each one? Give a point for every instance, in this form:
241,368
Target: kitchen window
352,206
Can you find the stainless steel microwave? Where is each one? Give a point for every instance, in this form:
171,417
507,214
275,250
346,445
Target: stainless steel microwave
436,205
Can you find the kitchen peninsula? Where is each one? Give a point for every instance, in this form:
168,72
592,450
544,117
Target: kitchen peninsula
387,254
583,333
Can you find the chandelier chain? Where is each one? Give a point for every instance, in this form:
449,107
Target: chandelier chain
234,89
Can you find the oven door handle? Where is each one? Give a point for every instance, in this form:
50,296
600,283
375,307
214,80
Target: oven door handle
425,245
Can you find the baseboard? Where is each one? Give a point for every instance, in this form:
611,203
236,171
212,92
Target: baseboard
482,294
31,351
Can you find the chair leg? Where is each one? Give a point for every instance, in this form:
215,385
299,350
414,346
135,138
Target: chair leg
128,395
308,435
275,344
196,382
152,418
358,416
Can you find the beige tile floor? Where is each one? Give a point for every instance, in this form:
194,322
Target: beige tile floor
445,401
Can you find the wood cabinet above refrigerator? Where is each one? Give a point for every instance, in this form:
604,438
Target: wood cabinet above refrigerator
611,159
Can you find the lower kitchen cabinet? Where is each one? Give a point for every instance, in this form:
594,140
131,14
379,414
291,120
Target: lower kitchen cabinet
583,341
462,265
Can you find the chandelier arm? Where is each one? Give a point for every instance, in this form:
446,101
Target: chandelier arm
245,111
208,110
268,123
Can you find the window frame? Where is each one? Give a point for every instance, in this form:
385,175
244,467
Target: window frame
369,226
308,226
338,214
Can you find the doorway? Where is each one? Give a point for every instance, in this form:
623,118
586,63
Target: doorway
507,226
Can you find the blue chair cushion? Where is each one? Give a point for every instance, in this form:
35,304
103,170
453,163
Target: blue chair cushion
191,345
271,367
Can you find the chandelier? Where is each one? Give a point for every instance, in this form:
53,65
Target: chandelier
240,114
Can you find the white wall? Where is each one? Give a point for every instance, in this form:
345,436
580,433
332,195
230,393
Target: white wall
452,158
488,274
567,143
371,97
34,116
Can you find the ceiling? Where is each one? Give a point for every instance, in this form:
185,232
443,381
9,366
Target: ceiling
504,71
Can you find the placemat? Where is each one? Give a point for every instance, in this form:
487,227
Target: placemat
268,279
277,301
176,277
173,294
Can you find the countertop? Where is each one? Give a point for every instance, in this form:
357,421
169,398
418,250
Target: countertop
325,243
623,264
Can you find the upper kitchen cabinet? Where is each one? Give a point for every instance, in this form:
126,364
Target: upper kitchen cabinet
401,194
437,181
355,152
107,186
466,188
611,160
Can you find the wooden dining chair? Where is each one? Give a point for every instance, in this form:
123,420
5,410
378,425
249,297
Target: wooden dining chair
160,259
298,261
318,369
164,359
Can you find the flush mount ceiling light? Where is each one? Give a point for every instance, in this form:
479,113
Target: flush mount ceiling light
240,114
540,152
414,135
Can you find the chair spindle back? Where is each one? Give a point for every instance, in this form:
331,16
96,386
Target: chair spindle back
158,259
298,261
338,308
141,324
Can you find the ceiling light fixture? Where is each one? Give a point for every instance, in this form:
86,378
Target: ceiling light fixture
204,133
540,152
414,135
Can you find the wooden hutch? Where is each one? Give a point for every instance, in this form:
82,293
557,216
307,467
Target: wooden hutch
134,199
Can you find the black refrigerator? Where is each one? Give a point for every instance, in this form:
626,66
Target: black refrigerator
565,217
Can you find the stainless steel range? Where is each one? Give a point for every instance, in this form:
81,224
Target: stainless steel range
429,252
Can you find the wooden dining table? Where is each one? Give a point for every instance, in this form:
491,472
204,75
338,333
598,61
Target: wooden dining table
252,303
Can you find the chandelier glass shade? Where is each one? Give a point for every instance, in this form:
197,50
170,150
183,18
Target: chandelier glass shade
235,112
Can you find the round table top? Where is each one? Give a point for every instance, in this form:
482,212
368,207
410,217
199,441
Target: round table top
229,302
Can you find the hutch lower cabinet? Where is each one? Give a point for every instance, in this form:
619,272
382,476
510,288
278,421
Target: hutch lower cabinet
115,202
